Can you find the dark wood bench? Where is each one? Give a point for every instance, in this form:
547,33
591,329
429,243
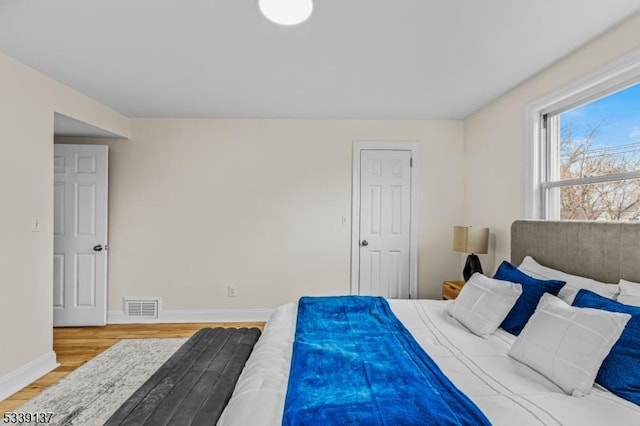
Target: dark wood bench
195,384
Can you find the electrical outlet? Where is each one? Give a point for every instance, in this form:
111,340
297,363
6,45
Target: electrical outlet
36,224
232,291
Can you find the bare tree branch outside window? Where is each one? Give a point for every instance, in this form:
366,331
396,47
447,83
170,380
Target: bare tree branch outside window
581,157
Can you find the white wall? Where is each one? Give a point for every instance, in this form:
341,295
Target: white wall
28,101
196,205
494,146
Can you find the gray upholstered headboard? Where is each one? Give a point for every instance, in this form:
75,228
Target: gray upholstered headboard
603,251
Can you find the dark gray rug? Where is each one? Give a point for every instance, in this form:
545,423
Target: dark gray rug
195,384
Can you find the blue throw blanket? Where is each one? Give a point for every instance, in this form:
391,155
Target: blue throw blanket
354,363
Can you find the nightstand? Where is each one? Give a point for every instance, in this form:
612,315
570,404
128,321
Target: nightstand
450,289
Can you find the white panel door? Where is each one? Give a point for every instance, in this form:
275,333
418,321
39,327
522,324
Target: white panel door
80,235
385,223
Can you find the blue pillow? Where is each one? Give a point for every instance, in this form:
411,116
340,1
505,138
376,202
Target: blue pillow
532,291
620,370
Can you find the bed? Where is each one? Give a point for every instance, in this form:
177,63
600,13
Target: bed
505,390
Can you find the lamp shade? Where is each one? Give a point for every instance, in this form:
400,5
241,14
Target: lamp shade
467,239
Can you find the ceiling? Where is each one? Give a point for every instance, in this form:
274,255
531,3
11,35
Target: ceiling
353,59
67,126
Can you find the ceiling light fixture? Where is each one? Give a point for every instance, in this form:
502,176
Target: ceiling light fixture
286,12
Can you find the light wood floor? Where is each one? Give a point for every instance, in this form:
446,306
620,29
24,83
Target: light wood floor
76,345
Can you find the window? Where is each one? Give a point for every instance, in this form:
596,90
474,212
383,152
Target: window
591,158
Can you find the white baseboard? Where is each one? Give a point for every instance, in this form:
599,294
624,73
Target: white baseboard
218,315
27,374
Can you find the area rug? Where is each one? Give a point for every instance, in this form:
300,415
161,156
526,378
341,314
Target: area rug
92,393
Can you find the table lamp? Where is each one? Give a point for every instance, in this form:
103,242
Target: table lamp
467,239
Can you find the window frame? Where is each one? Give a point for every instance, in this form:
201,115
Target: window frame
551,131
616,76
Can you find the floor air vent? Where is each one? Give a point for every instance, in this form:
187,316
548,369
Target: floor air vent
141,308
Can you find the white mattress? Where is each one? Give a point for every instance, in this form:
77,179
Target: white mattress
507,391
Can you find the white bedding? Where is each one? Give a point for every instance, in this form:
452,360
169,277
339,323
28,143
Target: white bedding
507,391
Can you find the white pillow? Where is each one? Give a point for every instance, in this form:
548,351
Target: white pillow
483,303
568,344
573,282
629,293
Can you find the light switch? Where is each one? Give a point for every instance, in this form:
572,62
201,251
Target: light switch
36,224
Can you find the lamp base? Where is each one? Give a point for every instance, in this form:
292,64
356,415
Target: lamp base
471,266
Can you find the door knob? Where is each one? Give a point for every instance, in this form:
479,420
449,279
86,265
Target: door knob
364,243
98,247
